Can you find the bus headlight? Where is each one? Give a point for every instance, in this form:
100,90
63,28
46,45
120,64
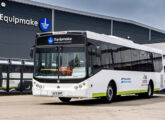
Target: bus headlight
80,86
39,86
84,83
76,87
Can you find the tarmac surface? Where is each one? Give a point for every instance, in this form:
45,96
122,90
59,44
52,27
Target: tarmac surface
28,107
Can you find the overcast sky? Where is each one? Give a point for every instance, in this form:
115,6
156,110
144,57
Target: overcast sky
149,12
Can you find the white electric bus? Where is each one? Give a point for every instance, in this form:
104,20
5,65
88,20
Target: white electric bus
75,64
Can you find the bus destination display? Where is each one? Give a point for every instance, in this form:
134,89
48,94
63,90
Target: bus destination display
61,39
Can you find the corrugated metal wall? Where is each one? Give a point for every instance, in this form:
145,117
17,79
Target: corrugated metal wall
136,33
69,21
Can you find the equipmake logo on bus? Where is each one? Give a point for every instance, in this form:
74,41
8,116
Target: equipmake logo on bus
126,80
50,40
63,40
44,24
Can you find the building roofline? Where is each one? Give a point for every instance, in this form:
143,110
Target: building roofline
38,4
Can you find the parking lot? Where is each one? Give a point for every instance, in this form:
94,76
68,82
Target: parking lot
28,107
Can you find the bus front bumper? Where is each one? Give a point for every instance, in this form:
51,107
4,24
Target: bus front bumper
61,90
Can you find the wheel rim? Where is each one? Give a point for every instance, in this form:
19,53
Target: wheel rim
110,93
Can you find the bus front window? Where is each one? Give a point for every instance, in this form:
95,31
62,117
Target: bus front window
46,63
72,63
69,63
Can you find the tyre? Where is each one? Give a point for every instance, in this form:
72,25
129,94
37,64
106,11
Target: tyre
149,93
150,90
111,93
65,99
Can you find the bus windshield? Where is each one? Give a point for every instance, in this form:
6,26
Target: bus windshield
69,63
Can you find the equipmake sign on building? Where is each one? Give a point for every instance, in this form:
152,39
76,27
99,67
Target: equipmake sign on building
20,20
44,23
16,20
19,24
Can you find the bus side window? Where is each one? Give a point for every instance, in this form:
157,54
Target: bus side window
117,57
157,62
135,56
90,67
105,57
126,58
94,61
145,62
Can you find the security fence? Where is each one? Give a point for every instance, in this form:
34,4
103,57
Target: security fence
16,76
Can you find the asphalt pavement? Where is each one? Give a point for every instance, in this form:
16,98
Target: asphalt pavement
28,107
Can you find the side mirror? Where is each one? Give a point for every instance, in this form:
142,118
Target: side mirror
98,51
31,52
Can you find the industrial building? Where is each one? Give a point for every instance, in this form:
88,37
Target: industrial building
20,20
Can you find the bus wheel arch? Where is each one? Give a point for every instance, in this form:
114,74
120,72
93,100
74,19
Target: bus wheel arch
114,83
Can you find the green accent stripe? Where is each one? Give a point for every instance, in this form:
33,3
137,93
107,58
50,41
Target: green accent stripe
157,89
131,92
12,87
99,94
123,92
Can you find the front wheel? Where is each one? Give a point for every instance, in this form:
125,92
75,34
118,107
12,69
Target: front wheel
111,93
65,99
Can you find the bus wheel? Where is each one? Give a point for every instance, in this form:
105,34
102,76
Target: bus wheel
150,90
65,99
111,93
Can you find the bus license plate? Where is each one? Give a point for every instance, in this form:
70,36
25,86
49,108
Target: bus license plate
57,93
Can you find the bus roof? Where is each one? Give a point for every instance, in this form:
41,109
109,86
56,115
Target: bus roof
105,38
120,41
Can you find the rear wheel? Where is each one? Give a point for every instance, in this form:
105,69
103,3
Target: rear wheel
65,99
150,90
